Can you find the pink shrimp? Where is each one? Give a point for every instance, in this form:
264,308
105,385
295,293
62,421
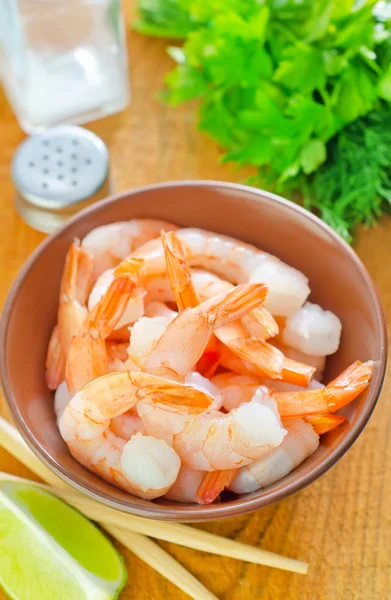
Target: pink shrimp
145,466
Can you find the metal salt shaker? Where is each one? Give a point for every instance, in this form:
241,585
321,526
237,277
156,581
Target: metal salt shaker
57,173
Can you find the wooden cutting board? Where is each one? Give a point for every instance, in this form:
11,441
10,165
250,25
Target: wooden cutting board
341,523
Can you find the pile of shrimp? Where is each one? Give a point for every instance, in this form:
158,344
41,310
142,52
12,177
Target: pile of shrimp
186,362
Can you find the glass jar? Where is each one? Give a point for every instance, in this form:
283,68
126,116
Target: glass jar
63,61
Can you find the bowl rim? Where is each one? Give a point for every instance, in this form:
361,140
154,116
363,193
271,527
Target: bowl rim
188,512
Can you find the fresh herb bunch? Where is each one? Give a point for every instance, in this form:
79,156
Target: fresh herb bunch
276,81
354,184
164,18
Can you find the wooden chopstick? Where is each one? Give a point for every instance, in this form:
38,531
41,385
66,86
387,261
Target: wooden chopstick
161,561
171,532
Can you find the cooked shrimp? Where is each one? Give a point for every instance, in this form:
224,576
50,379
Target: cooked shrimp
265,358
110,244
134,309
213,440
185,487
182,343
292,371
192,286
55,361
300,442
75,286
236,389
259,322
144,466
234,335
233,260
339,392
87,356
312,330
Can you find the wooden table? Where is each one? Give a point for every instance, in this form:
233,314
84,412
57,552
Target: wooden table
341,523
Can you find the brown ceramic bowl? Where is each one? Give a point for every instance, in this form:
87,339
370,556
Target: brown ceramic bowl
338,281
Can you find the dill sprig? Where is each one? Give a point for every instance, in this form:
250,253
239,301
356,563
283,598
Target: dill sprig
354,184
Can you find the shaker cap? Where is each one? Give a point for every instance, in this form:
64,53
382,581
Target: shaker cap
57,173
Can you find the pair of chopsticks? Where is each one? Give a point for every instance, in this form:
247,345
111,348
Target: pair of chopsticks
131,530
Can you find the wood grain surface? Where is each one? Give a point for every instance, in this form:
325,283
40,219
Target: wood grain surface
341,523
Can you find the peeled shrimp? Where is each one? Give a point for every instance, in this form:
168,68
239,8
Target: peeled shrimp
109,244
144,465
233,335
312,330
300,442
339,392
266,359
319,400
236,389
233,260
213,440
181,345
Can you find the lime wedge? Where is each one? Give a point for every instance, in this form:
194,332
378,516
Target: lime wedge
50,551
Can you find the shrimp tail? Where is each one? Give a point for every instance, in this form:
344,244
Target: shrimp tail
55,361
117,392
213,484
349,384
76,279
227,307
75,287
339,392
178,271
266,320
260,354
324,423
296,372
87,359
108,311
129,266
